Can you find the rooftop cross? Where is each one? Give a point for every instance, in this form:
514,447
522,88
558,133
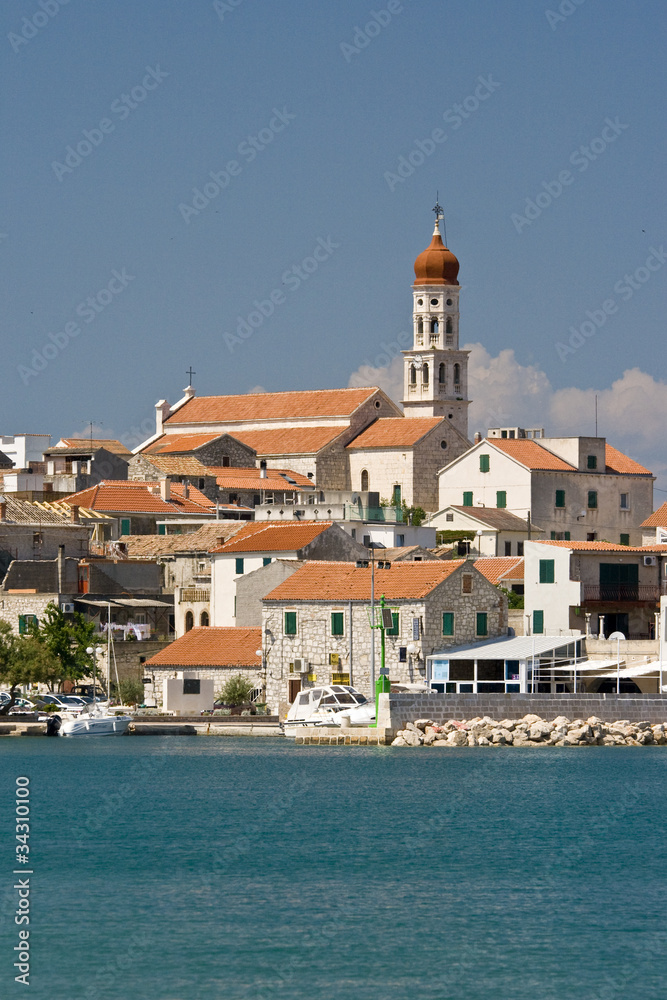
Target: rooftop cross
190,373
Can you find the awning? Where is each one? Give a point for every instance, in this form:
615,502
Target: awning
97,603
141,602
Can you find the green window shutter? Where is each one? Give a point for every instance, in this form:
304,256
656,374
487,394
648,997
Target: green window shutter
125,525
239,566
501,498
560,498
567,536
553,536
394,628
538,622
290,623
592,462
337,623
467,498
484,463
547,574
482,623
22,624
266,561
592,499
625,539
162,529
396,496
448,623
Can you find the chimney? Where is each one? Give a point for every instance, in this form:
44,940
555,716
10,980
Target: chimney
262,469
61,567
186,490
74,513
220,540
478,437
162,409
165,489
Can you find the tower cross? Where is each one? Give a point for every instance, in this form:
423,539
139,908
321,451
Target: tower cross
190,373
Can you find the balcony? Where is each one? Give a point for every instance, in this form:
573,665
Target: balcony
382,514
193,595
620,593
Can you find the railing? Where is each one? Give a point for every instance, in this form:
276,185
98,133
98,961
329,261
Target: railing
191,595
373,513
620,592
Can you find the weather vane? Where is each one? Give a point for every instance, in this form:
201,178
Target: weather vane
437,208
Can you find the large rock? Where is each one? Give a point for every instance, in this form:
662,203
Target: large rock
502,736
561,720
508,724
411,728
398,742
423,723
441,743
540,730
530,719
458,739
429,739
412,739
483,742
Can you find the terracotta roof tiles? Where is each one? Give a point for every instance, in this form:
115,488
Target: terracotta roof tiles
616,461
326,581
212,647
262,536
395,432
170,444
126,496
601,546
530,454
290,440
658,519
231,478
500,568
271,406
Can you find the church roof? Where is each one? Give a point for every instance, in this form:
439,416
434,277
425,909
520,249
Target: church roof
272,406
436,265
290,440
395,432
170,444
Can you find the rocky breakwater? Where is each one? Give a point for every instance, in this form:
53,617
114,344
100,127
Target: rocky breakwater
531,731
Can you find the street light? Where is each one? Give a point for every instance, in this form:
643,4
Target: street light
618,636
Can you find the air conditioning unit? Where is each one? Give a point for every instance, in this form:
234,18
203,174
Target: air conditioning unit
67,609
650,560
298,667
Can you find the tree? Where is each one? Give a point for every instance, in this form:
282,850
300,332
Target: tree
514,600
131,691
66,639
23,660
237,690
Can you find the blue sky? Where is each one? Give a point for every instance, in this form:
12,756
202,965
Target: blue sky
304,120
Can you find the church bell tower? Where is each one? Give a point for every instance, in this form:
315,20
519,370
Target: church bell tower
435,370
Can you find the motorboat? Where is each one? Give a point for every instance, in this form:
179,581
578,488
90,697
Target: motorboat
97,722
331,705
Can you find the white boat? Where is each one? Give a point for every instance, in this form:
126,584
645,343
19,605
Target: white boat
331,705
97,722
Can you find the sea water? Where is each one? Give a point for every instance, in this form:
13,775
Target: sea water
183,868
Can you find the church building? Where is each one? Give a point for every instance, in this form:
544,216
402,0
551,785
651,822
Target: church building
355,438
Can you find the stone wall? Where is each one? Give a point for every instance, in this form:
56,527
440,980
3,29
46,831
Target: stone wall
398,709
14,605
219,675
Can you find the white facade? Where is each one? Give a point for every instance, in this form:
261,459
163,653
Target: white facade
553,599
25,448
488,541
224,574
505,474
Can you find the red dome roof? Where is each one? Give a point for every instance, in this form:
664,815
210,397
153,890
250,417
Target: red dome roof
436,265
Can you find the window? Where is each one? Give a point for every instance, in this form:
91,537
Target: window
466,583
189,621
560,498
204,619
625,539
266,561
413,375
239,566
396,496
484,463
225,461
233,498
538,622
442,374
482,623
625,501
443,444
592,499
290,623
424,374
400,541
467,498
394,624
448,325
457,375
519,548
420,326
434,325
125,525
25,621
591,536
449,517
402,654
501,498
508,548
364,480
337,623
592,462
547,573
448,623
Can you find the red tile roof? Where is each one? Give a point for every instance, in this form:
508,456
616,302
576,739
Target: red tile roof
201,540
212,647
85,444
658,519
495,517
251,479
327,581
616,461
178,465
602,546
500,568
396,432
530,454
126,496
271,406
169,444
262,536
290,440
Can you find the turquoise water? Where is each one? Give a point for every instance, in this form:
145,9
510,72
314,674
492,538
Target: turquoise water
190,868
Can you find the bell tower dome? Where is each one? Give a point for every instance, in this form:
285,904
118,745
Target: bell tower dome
435,370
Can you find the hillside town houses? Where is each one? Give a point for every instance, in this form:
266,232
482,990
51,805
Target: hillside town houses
249,533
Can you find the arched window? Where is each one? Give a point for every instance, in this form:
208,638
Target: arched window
457,374
448,326
420,326
442,374
413,375
189,620
425,374
434,325
364,480
203,618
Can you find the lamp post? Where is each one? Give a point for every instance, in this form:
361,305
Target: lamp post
618,636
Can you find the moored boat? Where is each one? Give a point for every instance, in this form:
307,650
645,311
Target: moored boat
330,705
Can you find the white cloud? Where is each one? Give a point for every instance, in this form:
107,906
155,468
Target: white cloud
632,412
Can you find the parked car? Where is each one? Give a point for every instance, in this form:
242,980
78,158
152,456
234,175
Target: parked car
22,706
